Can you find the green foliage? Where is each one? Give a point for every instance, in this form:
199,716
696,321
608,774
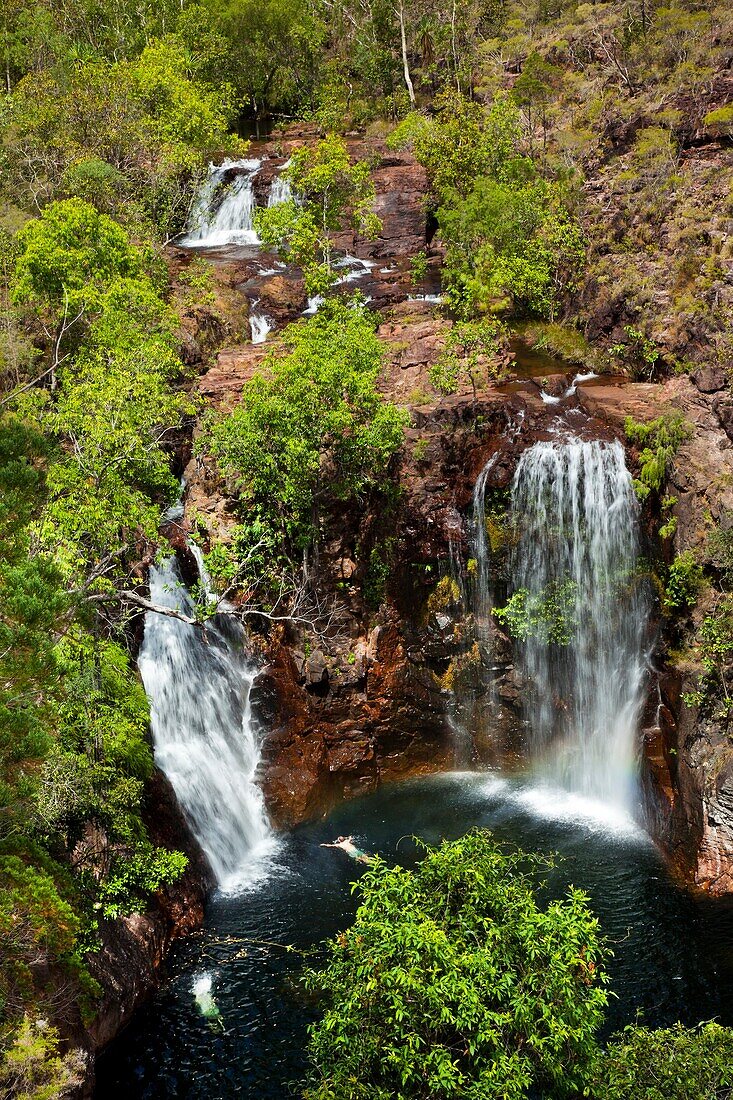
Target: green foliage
32,603
68,256
512,247
270,49
418,267
534,89
684,581
676,1063
714,649
548,615
127,135
470,355
463,142
32,1067
512,244
454,982
332,194
312,425
720,120
114,404
660,439
445,595
379,568
638,353
132,879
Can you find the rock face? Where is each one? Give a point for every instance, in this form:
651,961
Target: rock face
366,705
689,768
132,948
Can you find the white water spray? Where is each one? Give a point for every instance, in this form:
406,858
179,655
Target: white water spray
575,567
216,221
280,189
204,737
259,326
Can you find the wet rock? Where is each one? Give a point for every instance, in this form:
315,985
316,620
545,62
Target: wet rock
315,671
282,297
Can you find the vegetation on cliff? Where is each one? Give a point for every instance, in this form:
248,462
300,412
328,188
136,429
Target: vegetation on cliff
578,160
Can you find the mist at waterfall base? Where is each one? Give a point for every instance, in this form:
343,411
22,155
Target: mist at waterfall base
672,959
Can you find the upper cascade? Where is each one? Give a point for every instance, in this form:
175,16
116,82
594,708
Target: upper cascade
223,209
204,737
583,607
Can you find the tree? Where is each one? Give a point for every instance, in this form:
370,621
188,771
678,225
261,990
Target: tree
512,248
470,355
331,193
454,982
676,1063
273,50
131,136
534,89
67,258
463,141
312,425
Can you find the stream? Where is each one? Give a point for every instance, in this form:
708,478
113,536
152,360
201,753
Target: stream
673,959
230,1019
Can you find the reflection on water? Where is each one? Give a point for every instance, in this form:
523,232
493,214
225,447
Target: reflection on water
672,958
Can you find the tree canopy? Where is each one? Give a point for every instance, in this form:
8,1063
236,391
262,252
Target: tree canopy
454,981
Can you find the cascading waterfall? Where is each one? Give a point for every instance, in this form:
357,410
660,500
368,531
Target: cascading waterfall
204,737
280,189
259,325
583,606
230,221
219,220
482,595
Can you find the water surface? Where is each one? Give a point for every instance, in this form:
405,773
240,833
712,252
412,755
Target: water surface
673,959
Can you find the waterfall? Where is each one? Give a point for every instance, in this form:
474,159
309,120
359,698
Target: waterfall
223,209
582,610
259,326
214,223
280,189
204,737
482,597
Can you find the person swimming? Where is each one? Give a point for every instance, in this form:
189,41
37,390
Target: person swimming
346,844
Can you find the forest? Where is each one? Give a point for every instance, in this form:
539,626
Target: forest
577,162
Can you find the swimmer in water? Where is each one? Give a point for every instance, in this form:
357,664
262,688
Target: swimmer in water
346,844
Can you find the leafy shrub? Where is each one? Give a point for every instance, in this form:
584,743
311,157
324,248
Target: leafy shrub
312,425
32,1068
470,355
675,1063
660,439
638,353
548,615
454,981
684,580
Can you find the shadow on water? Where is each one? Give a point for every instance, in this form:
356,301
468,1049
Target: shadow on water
673,959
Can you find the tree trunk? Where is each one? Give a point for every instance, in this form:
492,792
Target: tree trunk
405,65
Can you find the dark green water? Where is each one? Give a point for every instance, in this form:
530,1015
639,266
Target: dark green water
673,958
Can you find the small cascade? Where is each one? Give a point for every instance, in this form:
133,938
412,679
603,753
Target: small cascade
583,610
280,189
204,735
482,582
223,210
227,220
259,326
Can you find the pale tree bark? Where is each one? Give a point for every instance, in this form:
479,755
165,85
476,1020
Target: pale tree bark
405,65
